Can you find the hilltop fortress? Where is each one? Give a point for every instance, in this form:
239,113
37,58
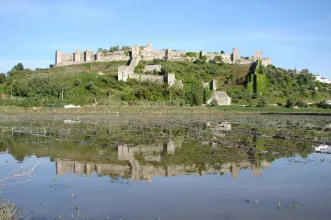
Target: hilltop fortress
146,53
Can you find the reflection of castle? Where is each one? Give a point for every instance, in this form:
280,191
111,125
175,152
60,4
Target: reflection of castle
137,171
146,172
219,128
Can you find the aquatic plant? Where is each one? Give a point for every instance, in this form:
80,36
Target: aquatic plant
8,210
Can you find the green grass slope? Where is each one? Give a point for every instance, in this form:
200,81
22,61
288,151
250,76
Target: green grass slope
83,84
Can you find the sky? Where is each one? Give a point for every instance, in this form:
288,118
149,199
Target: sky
295,34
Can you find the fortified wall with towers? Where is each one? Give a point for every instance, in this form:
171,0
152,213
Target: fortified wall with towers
147,53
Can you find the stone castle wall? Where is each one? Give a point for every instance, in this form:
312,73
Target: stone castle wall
63,59
147,53
147,77
226,57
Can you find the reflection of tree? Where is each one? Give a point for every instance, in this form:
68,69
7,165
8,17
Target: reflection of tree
95,148
3,146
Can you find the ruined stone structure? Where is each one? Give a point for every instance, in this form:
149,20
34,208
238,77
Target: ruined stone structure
152,68
62,59
212,84
220,97
147,53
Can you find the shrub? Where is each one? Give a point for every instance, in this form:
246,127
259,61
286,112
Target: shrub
324,105
290,103
301,104
213,103
262,103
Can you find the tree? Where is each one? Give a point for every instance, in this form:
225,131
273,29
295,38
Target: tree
126,48
203,58
218,59
290,103
2,77
18,66
100,50
197,94
114,48
262,103
222,52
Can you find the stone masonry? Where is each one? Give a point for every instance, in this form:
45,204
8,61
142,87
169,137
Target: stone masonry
221,98
147,53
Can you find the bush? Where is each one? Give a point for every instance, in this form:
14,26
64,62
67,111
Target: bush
324,105
290,103
213,103
301,104
262,103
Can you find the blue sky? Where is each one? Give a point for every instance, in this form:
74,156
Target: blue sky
294,33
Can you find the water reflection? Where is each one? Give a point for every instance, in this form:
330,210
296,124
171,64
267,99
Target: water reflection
158,153
196,153
143,156
323,149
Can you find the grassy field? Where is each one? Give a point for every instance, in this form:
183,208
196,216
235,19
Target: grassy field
84,84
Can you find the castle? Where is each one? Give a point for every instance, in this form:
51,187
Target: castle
146,53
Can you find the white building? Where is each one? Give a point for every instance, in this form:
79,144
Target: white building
322,79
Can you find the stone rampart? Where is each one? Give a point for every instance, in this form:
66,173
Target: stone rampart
147,77
226,57
147,53
266,61
114,56
63,59
151,68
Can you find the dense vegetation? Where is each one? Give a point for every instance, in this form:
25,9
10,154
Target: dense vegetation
97,82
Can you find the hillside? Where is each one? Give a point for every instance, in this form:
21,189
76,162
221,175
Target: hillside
83,84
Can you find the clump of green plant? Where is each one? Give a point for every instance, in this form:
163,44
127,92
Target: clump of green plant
8,210
262,103
324,105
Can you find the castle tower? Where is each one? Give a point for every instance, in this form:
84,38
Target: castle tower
58,56
98,56
77,56
149,46
235,55
257,55
134,51
169,54
88,55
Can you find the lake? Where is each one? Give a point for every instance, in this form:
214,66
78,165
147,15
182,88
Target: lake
143,166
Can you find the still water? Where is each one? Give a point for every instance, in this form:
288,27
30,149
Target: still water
167,167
